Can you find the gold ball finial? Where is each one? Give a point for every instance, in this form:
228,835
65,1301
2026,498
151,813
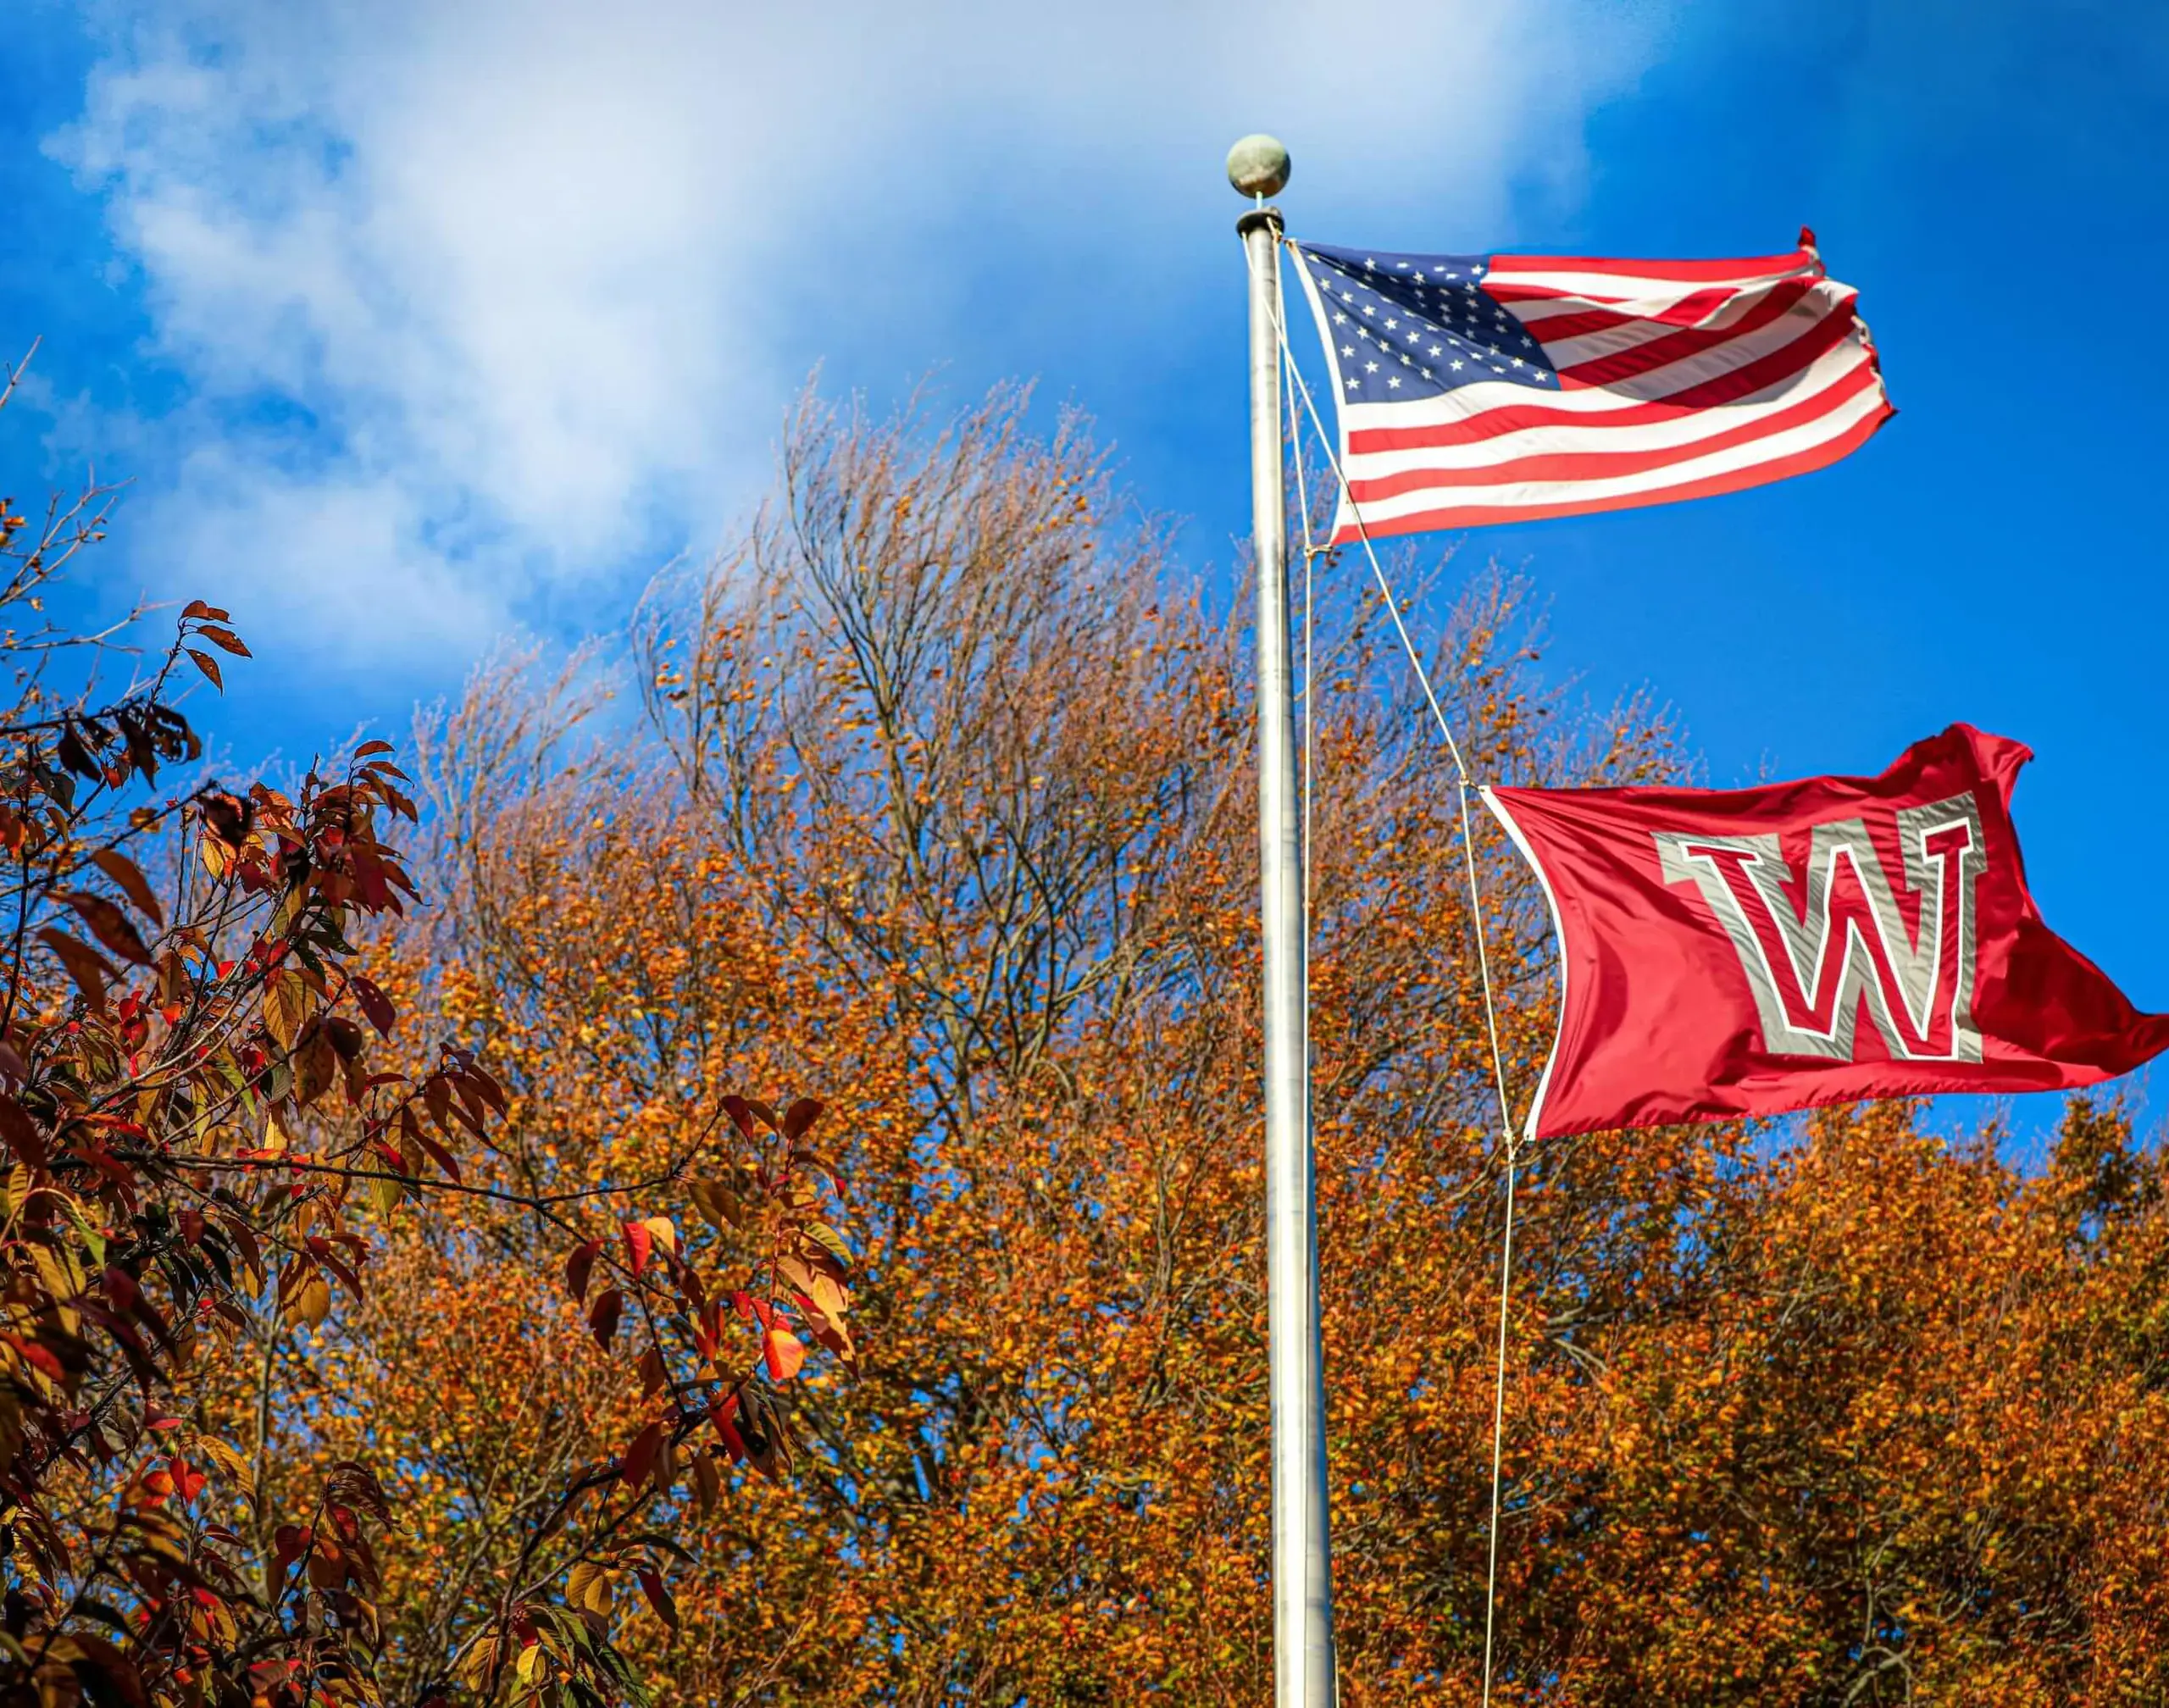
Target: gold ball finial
1258,165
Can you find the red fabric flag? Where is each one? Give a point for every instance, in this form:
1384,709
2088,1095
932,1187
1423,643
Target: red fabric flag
1746,951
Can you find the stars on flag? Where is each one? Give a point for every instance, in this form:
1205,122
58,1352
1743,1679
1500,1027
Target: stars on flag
1431,313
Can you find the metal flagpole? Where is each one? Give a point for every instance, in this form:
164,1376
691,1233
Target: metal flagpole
1302,1559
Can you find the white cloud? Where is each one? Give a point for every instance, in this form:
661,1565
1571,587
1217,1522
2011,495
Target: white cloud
479,298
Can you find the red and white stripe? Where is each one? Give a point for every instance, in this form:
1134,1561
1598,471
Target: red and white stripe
1678,380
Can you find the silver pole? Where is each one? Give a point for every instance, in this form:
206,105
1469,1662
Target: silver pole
1302,1559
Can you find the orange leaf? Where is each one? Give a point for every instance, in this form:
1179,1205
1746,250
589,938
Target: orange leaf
224,639
784,1352
123,871
109,925
86,966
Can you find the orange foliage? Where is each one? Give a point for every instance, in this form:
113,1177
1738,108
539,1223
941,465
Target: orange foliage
940,795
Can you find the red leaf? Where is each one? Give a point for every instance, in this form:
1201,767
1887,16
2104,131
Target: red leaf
577,1268
658,1596
209,667
187,1479
602,1316
40,1357
375,1004
752,1309
641,1243
288,1545
21,1133
800,1116
441,1156
640,1457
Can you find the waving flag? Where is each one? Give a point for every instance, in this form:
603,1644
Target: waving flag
1475,389
1730,952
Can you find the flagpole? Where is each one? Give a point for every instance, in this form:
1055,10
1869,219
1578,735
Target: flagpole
1303,1672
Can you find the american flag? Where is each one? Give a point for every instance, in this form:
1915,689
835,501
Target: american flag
1501,388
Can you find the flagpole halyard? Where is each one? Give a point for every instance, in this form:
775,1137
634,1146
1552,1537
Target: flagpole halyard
1509,1148
1302,1571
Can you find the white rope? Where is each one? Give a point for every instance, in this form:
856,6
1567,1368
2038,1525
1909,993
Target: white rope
1482,955
1310,557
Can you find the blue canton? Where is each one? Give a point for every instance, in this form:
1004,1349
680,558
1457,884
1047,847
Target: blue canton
1408,326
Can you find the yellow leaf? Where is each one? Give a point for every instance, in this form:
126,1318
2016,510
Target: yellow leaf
588,1589
312,1301
285,999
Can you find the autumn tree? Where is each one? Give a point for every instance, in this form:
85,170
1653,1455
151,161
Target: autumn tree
210,1125
937,790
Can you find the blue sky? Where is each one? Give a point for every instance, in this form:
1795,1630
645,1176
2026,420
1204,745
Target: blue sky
415,323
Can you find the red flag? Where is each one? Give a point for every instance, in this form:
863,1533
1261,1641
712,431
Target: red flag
1747,952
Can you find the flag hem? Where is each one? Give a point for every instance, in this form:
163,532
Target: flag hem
1348,519
1498,810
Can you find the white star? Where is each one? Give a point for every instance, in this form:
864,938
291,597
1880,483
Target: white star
1454,365
1369,309
1518,362
1370,367
1395,382
1390,324
1352,382
1425,372
1433,351
1340,319
1348,349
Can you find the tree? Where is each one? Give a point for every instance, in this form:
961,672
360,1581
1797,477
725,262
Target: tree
211,1127
940,791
